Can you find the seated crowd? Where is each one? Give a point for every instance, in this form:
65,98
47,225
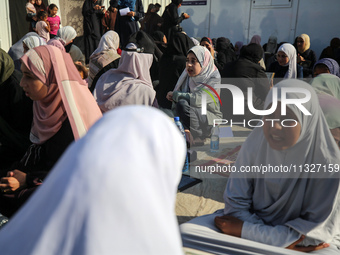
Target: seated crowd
51,99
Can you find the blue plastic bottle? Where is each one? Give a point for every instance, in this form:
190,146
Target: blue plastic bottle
180,127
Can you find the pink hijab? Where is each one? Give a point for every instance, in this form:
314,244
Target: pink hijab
67,96
256,39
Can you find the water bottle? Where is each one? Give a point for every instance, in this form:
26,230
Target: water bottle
180,127
215,139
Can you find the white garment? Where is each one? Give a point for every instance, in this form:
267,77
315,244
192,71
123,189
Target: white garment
66,34
290,51
279,207
33,41
112,192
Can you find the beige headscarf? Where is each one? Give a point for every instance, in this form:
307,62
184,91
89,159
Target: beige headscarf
306,39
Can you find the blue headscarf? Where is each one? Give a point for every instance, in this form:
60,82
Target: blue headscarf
331,64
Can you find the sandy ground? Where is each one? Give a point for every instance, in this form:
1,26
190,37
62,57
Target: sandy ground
207,197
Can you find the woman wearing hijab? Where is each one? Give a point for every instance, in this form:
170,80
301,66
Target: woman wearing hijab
257,39
245,73
15,113
104,58
17,51
330,51
63,110
270,49
32,42
66,35
326,65
93,13
286,67
330,107
326,83
207,42
129,84
128,24
297,210
238,47
305,57
128,208
225,54
171,19
152,22
171,66
187,95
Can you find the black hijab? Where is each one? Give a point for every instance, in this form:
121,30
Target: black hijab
252,52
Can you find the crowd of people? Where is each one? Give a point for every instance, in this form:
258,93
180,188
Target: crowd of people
140,70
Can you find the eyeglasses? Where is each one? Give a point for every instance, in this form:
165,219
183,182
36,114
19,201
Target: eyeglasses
281,56
191,61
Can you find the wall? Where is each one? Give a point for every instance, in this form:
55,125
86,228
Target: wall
5,31
240,20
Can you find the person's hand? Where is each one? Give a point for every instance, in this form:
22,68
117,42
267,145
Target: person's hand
15,179
229,225
186,15
97,7
300,58
130,14
310,248
169,96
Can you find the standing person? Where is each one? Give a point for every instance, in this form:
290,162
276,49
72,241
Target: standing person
63,110
128,24
171,19
77,213
93,13
152,22
53,19
305,57
31,14
40,6
43,26
109,21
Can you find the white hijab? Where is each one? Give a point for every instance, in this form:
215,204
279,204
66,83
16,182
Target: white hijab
208,75
104,54
112,192
34,41
129,84
290,51
66,34
306,202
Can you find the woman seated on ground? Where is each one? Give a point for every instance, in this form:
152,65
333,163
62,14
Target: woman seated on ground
32,42
207,42
66,35
330,107
245,73
15,113
297,210
63,110
104,58
225,53
17,50
187,95
331,50
125,161
326,83
171,66
130,83
326,65
305,57
286,67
